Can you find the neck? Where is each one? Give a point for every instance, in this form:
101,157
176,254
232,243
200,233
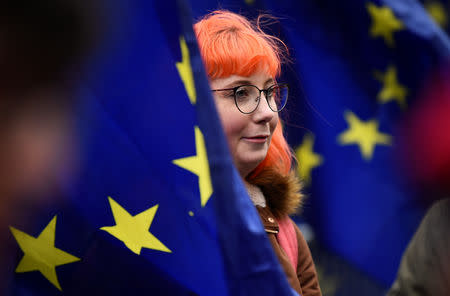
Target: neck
255,194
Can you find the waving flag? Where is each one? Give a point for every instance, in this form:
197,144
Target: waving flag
158,208
361,65
357,69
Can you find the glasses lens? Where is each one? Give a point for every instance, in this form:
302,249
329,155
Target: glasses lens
247,97
277,97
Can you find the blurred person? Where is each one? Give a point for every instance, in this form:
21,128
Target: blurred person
425,266
243,64
425,153
42,49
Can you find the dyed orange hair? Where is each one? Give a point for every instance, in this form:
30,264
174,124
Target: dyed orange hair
232,45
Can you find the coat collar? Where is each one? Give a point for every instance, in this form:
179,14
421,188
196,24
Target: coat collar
282,193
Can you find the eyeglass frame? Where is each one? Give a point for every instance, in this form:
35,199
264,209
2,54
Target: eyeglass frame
265,91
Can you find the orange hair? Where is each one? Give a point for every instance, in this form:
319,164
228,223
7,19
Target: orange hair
232,45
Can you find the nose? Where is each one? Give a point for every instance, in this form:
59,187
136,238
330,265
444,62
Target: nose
263,113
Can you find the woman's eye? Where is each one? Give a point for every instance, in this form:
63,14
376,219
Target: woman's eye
241,93
274,93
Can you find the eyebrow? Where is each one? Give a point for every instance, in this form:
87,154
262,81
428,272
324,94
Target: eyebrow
244,82
270,80
237,83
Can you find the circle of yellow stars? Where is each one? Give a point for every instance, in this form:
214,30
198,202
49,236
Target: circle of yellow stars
365,134
40,253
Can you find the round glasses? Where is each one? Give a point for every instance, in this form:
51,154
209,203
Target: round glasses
247,97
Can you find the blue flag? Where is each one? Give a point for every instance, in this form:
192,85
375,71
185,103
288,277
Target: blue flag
158,208
357,67
361,65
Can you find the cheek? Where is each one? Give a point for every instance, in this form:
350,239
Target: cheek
232,122
232,129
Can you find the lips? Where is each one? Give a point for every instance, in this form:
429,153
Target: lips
257,139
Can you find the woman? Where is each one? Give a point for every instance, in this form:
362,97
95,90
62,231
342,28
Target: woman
243,63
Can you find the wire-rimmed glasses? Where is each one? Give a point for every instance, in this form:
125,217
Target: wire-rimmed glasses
247,97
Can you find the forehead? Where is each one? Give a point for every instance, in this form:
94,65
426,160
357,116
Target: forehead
260,79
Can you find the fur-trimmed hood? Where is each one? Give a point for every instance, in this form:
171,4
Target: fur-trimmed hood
282,193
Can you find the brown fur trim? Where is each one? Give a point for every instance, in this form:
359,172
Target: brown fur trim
282,193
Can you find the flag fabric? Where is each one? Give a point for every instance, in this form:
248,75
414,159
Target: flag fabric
361,65
357,68
439,11
158,208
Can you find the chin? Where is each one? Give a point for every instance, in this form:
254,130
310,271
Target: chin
249,164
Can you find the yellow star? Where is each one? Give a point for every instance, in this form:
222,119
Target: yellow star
364,134
384,23
437,12
133,231
307,159
392,90
185,71
40,253
199,166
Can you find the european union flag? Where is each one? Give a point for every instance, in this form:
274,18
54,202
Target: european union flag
361,64
158,207
357,69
